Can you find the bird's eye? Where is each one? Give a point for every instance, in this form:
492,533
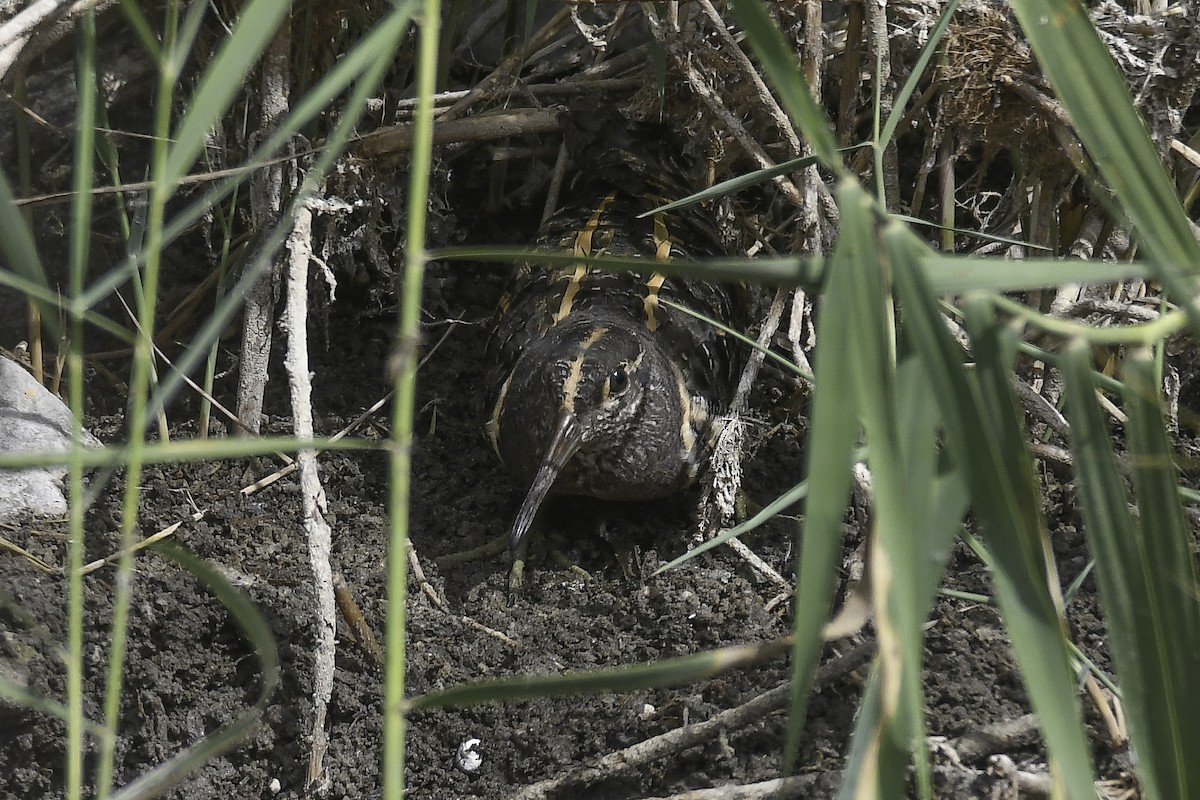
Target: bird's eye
618,381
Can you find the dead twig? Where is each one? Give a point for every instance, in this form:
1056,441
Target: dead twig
320,537
676,741
563,88
170,530
751,73
481,128
354,618
713,102
28,32
509,67
290,465
1009,734
440,604
777,789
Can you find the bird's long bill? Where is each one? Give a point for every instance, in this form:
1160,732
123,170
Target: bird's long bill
563,445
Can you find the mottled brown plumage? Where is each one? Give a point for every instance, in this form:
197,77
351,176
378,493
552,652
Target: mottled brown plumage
595,386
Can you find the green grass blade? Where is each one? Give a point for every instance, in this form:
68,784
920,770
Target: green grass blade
408,337
374,46
946,274
889,728
954,274
20,695
914,79
373,54
223,78
739,182
81,225
184,450
140,380
188,31
1171,610
1006,501
19,253
918,517
768,513
1006,495
1146,612
834,431
916,512
783,362
141,26
254,627
773,271
862,760
655,674
980,235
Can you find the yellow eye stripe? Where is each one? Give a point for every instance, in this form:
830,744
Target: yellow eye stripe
571,384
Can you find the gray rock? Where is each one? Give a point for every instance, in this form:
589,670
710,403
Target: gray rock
32,420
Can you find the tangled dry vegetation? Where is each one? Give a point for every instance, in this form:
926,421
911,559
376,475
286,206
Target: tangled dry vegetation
984,125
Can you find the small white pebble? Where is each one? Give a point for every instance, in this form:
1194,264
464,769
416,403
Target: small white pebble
275,786
469,758
648,712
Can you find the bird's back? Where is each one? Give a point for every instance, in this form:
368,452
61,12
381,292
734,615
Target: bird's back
568,316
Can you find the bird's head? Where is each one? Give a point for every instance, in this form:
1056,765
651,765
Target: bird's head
583,411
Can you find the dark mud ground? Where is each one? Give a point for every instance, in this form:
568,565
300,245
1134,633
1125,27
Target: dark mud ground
190,671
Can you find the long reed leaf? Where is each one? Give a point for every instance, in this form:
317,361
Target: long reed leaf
917,509
889,727
834,431
1007,498
628,678
946,274
1139,605
979,431
1168,653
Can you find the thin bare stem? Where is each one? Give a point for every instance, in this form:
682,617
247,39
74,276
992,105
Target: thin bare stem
408,338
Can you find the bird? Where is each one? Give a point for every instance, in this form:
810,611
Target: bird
596,386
